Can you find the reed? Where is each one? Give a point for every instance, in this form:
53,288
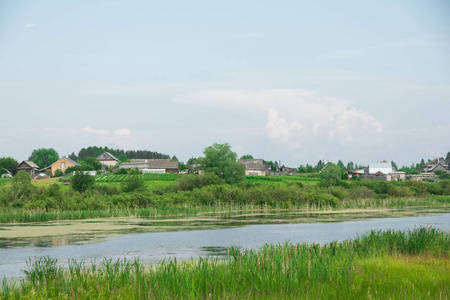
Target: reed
378,264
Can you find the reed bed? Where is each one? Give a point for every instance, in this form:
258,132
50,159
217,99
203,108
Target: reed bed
19,215
411,264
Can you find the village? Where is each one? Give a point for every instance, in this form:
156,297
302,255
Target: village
382,170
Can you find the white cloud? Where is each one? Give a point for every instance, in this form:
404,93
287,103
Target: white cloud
29,25
96,131
122,132
293,116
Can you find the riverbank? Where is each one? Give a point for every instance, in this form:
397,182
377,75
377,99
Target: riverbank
380,264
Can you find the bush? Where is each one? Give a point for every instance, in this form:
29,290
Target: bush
81,182
58,173
134,183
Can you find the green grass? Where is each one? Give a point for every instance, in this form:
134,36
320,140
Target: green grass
382,265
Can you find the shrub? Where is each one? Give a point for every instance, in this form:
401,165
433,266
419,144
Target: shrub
58,173
134,183
81,182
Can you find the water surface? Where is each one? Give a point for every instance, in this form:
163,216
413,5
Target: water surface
152,247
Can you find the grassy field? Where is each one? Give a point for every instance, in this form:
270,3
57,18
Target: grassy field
378,265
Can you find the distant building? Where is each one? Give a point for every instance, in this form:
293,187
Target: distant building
30,167
108,159
437,164
62,164
254,167
152,165
383,167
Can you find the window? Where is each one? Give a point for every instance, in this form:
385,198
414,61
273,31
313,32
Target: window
63,165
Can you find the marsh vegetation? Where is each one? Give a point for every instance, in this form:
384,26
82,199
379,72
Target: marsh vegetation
378,264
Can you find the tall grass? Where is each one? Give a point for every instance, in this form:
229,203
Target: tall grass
284,271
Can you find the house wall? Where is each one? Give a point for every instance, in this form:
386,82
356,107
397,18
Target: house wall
109,163
58,165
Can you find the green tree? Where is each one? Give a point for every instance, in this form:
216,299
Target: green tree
447,158
394,165
58,173
340,164
134,183
21,187
330,176
91,164
174,158
246,156
44,157
81,181
221,161
301,169
9,164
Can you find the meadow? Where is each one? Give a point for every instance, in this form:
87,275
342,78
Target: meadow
388,264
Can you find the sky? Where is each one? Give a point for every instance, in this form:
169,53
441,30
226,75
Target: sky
291,81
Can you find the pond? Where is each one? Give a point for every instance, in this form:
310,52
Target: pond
152,247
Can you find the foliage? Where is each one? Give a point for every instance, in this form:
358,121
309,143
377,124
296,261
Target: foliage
44,157
387,264
331,175
247,156
94,151
221,161
447,158
21,188
91,164
70,170
58,173
9,164
81,181
133,183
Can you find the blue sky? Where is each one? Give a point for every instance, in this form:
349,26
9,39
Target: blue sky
295,81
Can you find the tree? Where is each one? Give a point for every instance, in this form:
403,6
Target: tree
81,181
220,160
91,164
73,156
330,176
174,158
9,164
58,173
246,156
134,183
301,169
394,165
350,166
340,164
447,158
21,186
44,157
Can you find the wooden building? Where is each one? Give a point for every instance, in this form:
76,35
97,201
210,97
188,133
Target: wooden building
30,167
254,167
108,159
167,165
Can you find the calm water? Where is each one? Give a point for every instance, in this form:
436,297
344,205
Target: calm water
154,247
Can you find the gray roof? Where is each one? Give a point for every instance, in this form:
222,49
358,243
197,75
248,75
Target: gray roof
436,161
151,164
253,164
30,164
106,156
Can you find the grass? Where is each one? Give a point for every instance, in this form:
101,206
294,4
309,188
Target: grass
410,264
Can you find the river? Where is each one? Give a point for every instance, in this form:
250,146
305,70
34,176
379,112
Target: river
155,246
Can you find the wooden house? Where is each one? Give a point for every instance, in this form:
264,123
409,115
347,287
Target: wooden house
108,159
254,167
435,165
30,167
152,165
62,164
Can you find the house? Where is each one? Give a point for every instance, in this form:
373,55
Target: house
62,164
383,167
30,167
436,165
8,174
254,167
152,165
108,159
